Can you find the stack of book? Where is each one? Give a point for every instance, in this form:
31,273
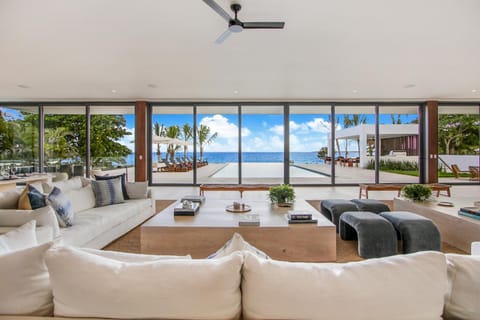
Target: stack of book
472,212
250,219
300,217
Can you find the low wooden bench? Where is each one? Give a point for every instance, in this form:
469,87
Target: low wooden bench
234,187
440,187
364,188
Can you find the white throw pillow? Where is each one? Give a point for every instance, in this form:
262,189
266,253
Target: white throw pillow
237,243
464,276
25,285
72,184
20,238
137,190
86,285
131,257
9,198
81,199
44,216
394,288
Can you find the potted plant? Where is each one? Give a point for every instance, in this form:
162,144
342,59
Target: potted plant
417,192
282,195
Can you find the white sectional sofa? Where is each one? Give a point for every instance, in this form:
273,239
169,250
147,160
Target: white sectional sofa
93,227
74,283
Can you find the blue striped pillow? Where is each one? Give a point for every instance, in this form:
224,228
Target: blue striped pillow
107,192
62,206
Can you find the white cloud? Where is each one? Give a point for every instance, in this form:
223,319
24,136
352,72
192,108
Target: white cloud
225,129
294,127
129,141
278,129
302,127
320,125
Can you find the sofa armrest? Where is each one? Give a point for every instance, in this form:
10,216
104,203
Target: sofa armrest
44,216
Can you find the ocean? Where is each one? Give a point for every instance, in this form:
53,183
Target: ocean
224,157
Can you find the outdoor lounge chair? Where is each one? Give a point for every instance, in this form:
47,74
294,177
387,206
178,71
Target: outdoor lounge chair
456,171
474,173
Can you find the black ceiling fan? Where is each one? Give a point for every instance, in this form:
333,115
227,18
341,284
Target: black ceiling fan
235,25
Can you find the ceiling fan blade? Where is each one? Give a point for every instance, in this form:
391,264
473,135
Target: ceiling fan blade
212,4
223,36
263,25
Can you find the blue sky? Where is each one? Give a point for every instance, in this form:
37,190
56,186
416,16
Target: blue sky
260,132
264,133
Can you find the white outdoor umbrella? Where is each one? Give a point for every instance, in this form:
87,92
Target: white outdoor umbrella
166,140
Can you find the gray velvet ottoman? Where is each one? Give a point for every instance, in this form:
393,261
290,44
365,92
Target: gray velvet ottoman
332,209
376,235
371,205
417,233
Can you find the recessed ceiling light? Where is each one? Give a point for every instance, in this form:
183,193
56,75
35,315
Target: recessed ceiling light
235,91
151,85
410,85
114,91
474,90
355,91
23,86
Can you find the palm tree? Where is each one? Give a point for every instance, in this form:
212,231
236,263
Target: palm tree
204,137
354,120
187,132
174,133
159,130
396,119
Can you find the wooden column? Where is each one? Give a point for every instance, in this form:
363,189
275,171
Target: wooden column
432,141
141,141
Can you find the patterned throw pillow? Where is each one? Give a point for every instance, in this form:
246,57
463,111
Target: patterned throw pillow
107,192
122,176
62,206
37,199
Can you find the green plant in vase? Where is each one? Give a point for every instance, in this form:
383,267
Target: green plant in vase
282,195
416,192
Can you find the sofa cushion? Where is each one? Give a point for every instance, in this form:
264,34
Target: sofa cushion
107,192
398,287
9,199
237,243
81,199
137,190
91,223
65,186
62,206
43,234
44,216
19,238
167,289
464,277
123,182
131,257
25,287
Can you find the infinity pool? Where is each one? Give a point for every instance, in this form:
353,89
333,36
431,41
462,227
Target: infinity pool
263,170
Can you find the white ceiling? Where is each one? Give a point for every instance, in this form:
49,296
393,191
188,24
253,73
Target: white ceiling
84,49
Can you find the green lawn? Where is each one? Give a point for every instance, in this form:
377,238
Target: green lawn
415,173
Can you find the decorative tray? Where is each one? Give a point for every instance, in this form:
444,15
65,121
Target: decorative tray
244,208
446,204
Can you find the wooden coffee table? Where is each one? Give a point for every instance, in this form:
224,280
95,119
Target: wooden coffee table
207,231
